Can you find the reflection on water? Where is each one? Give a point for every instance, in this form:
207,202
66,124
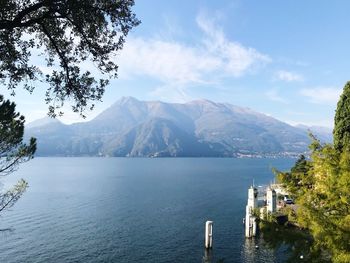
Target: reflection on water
207,258
254,250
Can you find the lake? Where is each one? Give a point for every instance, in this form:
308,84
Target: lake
133,210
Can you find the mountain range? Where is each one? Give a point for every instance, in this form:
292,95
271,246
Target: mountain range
198,128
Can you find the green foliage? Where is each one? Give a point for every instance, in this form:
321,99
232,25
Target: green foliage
326,208
256,212
12,149
68,33
271,217
10,197
321,187
341,130
299,179
291,214
321,190
280,197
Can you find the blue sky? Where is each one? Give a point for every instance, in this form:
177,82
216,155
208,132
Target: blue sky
287,59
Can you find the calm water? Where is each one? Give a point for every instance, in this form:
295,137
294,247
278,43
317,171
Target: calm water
133,210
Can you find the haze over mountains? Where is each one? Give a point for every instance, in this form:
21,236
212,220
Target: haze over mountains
156,129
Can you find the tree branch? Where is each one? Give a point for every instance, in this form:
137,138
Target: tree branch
13,195
29,9
11,164
62,58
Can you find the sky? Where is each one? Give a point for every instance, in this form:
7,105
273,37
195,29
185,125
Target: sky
287,59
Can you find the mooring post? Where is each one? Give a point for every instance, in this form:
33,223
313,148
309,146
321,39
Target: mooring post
209,234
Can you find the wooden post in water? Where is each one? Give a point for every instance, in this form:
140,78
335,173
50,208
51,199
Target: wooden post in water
209,234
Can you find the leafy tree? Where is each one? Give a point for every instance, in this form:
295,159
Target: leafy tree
321,188
12,149
68,32
323,198
325,209
299,179
341,130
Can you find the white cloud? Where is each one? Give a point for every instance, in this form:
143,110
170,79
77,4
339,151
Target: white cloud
322,95
178,64
166,61
274,96
288,76
235,58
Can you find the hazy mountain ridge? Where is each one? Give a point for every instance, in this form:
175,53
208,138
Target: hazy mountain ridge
199,128
323,133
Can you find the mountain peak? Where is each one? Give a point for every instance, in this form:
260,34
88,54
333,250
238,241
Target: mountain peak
199,128
203,102
127,99
42,122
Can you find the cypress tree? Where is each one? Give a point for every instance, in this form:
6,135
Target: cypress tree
341,132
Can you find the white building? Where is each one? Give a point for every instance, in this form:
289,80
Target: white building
271,200
250,219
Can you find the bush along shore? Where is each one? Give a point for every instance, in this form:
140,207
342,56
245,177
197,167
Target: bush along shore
318,227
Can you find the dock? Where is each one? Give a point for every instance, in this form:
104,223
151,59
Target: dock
261,203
